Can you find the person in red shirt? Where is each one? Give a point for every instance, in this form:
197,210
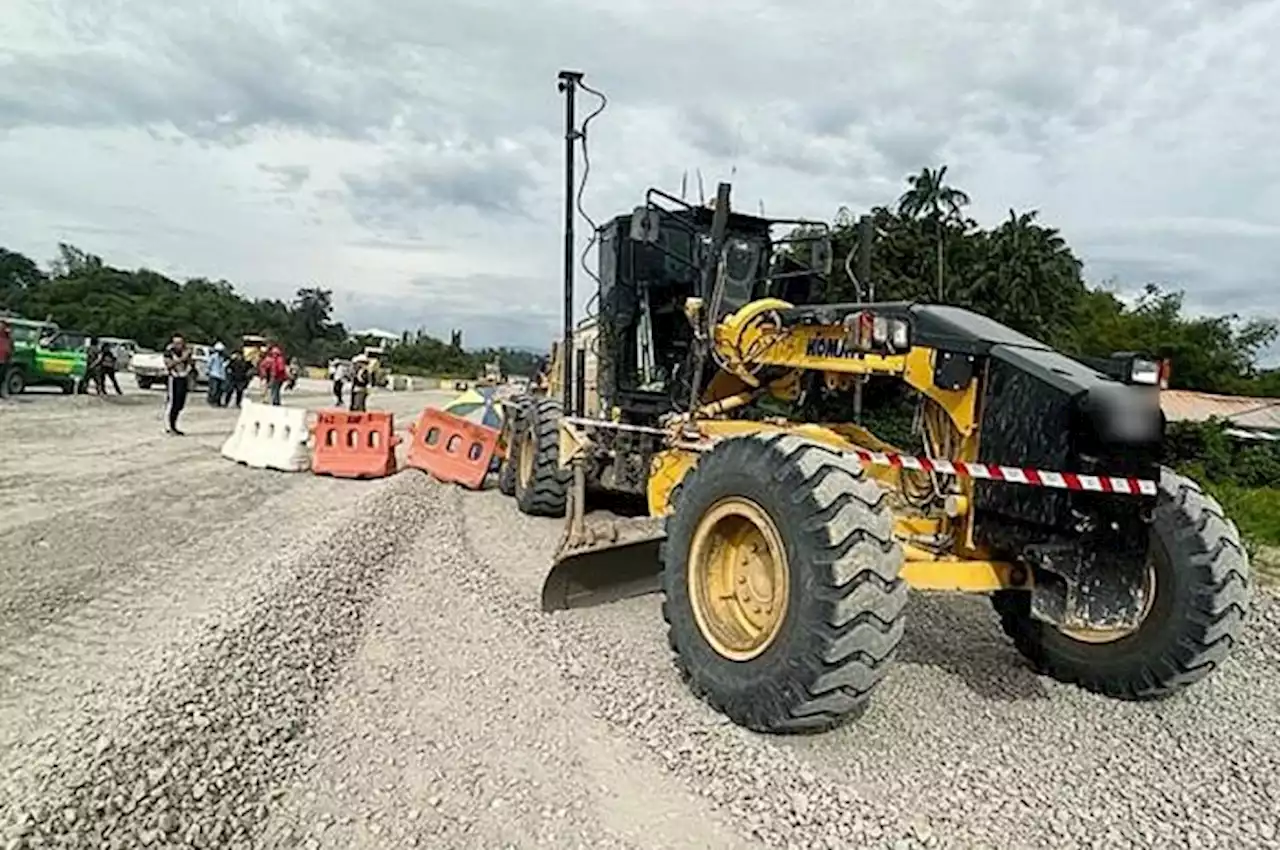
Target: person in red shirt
274,371
6,354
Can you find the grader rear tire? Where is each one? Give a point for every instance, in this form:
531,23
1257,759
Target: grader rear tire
541,486
1201,596
781,574
507,472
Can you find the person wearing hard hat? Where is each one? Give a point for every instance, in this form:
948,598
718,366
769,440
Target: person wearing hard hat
338,375
274,370
360,380
216,369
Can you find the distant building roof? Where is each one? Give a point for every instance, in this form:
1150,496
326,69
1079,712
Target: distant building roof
1243,412
378,333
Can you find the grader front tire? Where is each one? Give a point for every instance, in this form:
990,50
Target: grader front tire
813,664
1201,596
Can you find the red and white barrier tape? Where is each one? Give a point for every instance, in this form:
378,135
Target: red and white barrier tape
1014,474
988,471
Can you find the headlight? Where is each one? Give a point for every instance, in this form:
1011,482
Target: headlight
1146,372
859,329
880,330
865,331
899,335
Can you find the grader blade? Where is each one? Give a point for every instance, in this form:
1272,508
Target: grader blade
604,559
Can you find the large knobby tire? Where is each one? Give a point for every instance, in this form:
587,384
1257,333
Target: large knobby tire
545,489
519,408
1201,598
840,595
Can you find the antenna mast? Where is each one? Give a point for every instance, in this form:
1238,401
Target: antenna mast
568,85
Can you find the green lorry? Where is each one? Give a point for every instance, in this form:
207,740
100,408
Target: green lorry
45,355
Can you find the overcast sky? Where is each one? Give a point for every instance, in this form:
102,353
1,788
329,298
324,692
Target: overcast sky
407,154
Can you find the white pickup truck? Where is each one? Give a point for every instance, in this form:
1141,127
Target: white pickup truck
148,366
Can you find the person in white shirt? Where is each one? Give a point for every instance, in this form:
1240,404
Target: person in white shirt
337,374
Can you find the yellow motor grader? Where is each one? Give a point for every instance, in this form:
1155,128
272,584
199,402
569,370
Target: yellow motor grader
724,464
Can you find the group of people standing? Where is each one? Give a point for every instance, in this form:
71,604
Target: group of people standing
100,366
229,376
359,376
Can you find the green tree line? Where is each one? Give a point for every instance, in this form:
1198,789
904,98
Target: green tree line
1020,272
80,292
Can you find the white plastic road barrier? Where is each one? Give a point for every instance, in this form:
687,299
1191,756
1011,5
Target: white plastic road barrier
269,437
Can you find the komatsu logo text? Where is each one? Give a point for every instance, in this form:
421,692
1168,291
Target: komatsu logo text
829,346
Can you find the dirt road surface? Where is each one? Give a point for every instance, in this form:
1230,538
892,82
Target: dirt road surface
196,654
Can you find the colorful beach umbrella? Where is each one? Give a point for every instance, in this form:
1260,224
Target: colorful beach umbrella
477,405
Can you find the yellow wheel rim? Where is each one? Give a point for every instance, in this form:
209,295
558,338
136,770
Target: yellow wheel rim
1098,636
528,448
739,578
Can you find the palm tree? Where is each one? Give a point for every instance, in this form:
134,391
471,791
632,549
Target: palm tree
929,197
1027,277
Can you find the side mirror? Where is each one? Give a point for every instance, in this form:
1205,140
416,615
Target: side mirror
645,224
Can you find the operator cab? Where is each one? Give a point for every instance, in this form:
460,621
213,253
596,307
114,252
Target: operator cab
654,259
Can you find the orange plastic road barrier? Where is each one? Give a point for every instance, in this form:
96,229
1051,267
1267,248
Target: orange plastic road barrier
354,444
452,448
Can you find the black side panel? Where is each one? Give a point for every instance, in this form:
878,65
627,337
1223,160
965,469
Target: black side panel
1026,422
1062,373
1044,410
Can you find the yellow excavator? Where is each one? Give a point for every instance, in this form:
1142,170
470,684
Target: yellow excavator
724,460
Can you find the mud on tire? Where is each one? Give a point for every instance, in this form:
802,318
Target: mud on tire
1200,604
844,614
547,490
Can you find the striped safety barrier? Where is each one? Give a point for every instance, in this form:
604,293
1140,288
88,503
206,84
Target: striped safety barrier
1014,474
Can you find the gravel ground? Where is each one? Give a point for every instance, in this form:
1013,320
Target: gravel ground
197,654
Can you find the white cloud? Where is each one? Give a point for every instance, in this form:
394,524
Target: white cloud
407,155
